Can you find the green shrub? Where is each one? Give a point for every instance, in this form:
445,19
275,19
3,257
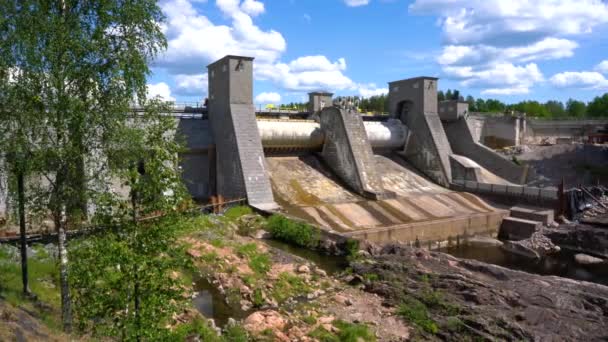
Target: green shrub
287,286
236,212
297,233
260,263
416,312
348,332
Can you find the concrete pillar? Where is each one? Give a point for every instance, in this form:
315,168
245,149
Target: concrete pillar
241,169
319,100
414,102
349,154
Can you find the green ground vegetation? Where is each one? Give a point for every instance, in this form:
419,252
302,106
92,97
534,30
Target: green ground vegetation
347,332
293,232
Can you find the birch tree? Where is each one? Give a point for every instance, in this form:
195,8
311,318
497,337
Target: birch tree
76,66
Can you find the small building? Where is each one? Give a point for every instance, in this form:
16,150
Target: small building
452,110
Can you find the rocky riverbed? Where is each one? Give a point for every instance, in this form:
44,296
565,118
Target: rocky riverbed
454,299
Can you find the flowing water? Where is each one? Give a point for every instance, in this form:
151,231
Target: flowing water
329,263
561,264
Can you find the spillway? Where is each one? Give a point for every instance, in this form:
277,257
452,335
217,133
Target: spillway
307,134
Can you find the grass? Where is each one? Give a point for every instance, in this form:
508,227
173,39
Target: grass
260,263
238,211
201,328
417,313
43,282
287,286
297,233
348,332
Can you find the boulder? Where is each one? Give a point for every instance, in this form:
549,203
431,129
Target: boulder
264,320
520,249
484,241
585,259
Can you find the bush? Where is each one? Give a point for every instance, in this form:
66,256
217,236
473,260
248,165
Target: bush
417,313
238,211
297,233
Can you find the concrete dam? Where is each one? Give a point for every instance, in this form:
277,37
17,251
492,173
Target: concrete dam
382,180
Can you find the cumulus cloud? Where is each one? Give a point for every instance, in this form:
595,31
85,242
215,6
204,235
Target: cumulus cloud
583,79
194,41
307,74
161,90
252,7
191,85
602,67
193,45
268,97
356,3
484,39
369,90
512,22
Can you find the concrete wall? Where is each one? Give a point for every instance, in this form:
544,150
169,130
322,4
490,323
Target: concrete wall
502,131
414,102
452,110
577,130
319,100
348,152
240,157
463,143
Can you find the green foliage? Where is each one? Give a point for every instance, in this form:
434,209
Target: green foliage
287,286
352,247
371,277
198,327
260,263
348,332
416,312
234,213
298,233
258,298
131,266
44,282
598,107
576,109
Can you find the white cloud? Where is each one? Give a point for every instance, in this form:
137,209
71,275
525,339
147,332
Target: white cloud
486,39
583,79
502,22
602,67
265,98
356,3
193,45
369,90
499,79
161,90
316,63
307,74
191,85
194,41
548,48
252,7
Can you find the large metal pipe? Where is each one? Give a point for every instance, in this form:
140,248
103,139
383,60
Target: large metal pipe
307,134
290,134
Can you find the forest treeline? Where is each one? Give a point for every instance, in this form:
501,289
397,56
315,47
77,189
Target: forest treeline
553,109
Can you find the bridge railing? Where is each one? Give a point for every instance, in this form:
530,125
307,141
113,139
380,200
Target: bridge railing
519,191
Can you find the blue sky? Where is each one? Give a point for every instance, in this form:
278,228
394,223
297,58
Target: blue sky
511,50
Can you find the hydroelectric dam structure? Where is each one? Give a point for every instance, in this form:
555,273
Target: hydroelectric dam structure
383,180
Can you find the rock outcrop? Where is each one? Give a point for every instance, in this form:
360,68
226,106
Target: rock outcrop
488,302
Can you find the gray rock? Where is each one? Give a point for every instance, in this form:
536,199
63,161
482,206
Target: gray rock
585,259
520,249
484,241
